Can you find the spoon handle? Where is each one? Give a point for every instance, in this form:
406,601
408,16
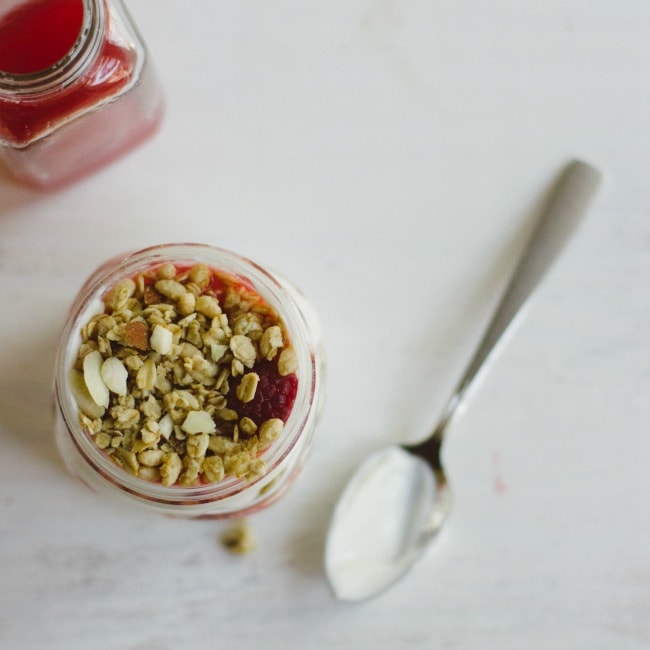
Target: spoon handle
567,203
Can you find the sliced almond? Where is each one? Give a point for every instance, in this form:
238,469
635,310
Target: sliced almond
136,334
198,422
85,402
161,340
92,365
114,375
217,350
166,425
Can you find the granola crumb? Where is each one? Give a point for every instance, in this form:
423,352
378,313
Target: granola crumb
239,538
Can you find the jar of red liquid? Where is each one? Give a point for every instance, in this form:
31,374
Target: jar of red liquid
130,460
76,88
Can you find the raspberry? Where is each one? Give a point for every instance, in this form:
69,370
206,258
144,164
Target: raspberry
274,396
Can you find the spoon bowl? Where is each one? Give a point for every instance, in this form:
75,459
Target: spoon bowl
400,483
399,498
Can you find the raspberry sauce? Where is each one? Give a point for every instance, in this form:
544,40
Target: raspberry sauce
37,34
274,397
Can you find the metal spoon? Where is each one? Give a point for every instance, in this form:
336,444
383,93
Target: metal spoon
399,498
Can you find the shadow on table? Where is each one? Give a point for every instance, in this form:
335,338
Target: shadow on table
14,196
306,547
26,412
26,406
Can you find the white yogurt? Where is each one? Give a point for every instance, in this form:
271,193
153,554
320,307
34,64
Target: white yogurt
379,526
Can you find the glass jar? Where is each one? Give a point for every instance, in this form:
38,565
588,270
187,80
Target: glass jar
283,458
76,88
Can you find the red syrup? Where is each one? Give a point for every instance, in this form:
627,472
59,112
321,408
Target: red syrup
36,35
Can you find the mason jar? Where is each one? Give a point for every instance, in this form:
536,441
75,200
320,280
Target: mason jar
111,472
77,88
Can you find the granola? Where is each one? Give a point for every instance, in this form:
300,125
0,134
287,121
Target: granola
239,538
186,377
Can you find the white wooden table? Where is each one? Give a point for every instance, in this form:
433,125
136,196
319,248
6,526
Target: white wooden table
388,157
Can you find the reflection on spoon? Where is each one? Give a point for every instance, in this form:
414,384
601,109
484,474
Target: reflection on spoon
399,498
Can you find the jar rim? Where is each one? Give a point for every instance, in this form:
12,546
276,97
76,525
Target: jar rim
272,291
68,68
